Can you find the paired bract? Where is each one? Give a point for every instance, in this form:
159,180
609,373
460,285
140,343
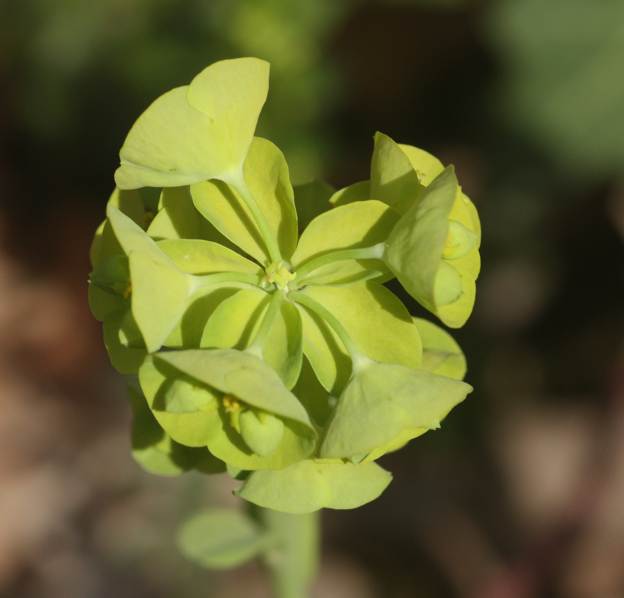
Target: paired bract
252,318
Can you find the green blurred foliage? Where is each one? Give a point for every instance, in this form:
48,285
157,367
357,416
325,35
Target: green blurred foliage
74,63
562,64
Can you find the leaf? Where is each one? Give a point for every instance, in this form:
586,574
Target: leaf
397,443
283,347
384,402
311,485
188,428
359,224
393,178
109,281
185,395
233,321
196,132
189,330
266,176
416,246
123,342
195,256
129,234
102,236
136,204
210,425
375,319
296,443
441,354
177,217
103,302
112,274
359,191
221,539
240,374
133,203
160,294
311,200
325,352
227,212
427,166
261,431
356,225
152,449
465,213
455,314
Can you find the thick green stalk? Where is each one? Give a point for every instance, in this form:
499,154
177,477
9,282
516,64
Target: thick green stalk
293,561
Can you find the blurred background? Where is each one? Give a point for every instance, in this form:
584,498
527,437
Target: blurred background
522,493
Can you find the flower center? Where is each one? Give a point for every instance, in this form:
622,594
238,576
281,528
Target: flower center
279,274
231,404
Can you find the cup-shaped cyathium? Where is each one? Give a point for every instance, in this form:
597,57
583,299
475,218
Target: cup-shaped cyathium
231,402
433,247
434,250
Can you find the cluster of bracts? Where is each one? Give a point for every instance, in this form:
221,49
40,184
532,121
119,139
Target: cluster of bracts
252,319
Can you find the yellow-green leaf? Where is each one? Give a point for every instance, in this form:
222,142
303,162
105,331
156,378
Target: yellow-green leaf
393,179
311,485
415,252
441,353
196,132
359,191
383,403
266,176
221,539
160,294
355,225
153,449
375,319
195,256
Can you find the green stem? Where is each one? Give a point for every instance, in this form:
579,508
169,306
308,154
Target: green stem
293,561
358,359
273,309
361,253
240,185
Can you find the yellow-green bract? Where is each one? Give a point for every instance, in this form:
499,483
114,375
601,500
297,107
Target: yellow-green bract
197,132
252,318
